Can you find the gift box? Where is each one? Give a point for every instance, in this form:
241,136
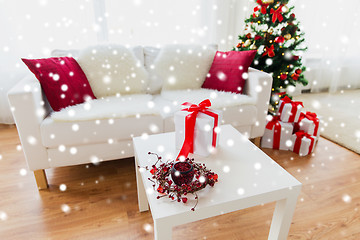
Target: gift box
197,129
277,134
303,143
308,122
289,111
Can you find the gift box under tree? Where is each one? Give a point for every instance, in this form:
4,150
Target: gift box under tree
289,111
308,122
277,134
303,143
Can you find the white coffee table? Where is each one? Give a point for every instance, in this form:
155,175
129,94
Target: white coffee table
247,177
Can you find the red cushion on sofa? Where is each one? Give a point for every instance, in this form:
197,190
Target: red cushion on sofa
226,72
62,79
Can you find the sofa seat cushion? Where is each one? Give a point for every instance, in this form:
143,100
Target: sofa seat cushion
55,133
97,121
238,110
104,108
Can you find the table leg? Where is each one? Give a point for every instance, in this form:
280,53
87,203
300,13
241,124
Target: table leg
162,230
142,198
283,214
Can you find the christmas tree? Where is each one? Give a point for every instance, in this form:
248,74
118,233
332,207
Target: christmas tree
274,31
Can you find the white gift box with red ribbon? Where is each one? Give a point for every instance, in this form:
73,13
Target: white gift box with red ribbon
289,111
277,134
303,143
310,123
203,137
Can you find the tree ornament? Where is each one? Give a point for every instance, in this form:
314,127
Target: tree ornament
268,1
295,76
253,46
292,15
279,39
247,43
238,45
287,36
285,9
248,35
298,71
276,14
269,51
270,30
263,6
257,37
283,76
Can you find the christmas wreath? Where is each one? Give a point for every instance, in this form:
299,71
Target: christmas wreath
177,179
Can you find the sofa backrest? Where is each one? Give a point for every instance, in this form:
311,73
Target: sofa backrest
167,70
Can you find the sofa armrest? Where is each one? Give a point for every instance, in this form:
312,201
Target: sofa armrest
29,107
258,86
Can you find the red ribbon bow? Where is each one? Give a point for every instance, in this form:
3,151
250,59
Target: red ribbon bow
263,7
277,14
294,105
275,121
299,136
190,120
312,117
269,51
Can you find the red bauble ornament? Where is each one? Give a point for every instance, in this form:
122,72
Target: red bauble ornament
292,15
298,71
279,39
257,37
295,76
283,76
296,58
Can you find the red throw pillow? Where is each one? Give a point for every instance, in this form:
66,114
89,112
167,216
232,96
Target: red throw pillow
62,80
226,72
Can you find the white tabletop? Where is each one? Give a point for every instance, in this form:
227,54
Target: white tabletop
247,176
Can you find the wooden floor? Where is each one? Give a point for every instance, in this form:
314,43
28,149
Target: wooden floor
100,202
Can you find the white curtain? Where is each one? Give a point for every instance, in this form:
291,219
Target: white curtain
37,27
333,41
32,29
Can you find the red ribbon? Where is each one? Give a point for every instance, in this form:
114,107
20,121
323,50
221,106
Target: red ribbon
299,136
190,120
312,117
294,106
262,5
276,14
269,51
275,121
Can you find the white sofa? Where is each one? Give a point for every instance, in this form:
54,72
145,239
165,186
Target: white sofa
49,142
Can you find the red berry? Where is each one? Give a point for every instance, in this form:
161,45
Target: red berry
215,177
184,199
153,171
283,76
160,189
